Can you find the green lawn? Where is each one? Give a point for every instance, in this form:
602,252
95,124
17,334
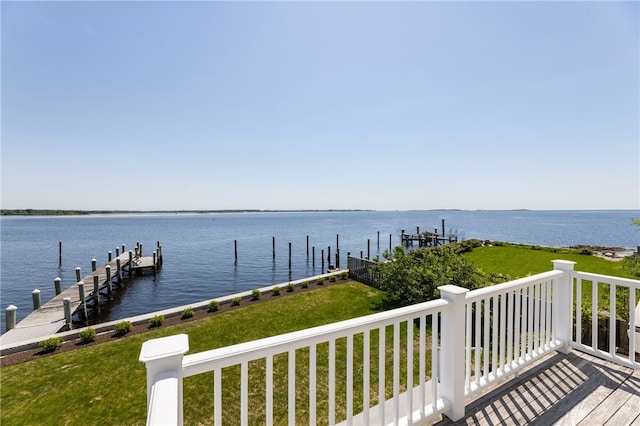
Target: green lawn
106,385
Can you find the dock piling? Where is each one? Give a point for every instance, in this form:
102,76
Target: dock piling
96,292
390,236
322,257
235,246
307,246
94,265
110,256
10,316
313,256
368,248
35,296
130,263
155,263
57,283
119,270
67,312
108,271
289,255
83,301
273,246
78,274
60,253
117,251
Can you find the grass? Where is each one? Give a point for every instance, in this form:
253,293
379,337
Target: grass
105,384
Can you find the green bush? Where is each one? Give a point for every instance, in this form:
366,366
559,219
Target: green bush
320,281
290,287
304,284
276,291
214,305
50,344
344,275
255,294
88,335
123,328
332,278
187,313
236,301
156,321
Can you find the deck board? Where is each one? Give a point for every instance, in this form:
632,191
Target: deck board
561,389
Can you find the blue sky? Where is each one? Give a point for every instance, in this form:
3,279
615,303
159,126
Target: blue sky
323,105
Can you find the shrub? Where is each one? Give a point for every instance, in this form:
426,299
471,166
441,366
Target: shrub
320,281
332,278
187,313
50,344
88,335
304,284
236,301
344,275
276,291
123,328
290,287
214,305
255,294
156,321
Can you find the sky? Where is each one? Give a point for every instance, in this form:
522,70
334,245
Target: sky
320,105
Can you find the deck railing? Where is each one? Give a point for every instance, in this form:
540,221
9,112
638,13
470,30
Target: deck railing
397,367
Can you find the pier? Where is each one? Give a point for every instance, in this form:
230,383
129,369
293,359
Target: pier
86,293
427,239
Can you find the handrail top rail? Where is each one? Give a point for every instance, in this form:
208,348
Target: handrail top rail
230,355
483,292
607,278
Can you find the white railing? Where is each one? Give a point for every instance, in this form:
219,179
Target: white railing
396,367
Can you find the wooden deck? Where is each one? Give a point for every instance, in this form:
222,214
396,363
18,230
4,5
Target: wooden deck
573,389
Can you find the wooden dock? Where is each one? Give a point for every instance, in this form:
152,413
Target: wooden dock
427,239
50,318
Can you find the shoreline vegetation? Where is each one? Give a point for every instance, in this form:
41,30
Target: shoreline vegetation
53,212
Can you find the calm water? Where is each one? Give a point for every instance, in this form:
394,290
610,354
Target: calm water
199,249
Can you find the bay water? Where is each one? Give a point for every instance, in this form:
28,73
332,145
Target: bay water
199,258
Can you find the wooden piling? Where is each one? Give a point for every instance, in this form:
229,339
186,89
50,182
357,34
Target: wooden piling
83,301
329,255
390,236
67,312
123,250
418,230
117,251
368,248
338,258
130,263
78,274
108,271
289,255
235,248
57,284
10,317
307,246
119,271
110,256
96,291
313,257
35,296
155,263
443,228
337,241
60,253
378,239
322,258
273,246
94,265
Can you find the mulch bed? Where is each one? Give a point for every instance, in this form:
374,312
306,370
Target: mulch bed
37,353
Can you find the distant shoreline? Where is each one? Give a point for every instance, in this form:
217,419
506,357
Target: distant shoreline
44,212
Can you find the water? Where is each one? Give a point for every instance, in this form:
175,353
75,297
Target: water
199,249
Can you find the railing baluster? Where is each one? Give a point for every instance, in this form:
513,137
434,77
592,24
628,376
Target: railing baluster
594,314
217,396
396,372
467,380
292,386
350,379
530,297
422,361
409,370
510,326
579,310
543,315
612,320
495,331
365,376
312,384
435,358
632,323
486,350
478,337
332,382
244,393
517,325
381,371
503,327
269,390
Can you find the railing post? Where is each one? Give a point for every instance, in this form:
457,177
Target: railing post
163,355
452,349
562,304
